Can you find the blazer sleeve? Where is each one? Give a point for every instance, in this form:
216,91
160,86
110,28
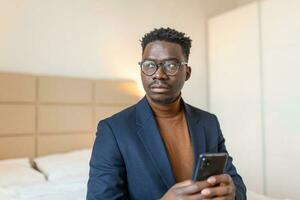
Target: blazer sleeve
230,169
107,176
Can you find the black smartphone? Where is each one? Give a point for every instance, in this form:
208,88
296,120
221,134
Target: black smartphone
209,164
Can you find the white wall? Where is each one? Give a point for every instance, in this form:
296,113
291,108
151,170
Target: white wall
234,88
98,38
281,62
215,7
254,88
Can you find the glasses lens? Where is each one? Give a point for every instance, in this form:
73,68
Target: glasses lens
148,67
171,67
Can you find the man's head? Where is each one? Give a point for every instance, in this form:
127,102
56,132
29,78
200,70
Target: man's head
164,64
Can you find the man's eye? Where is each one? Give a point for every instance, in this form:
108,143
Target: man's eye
151,65
171,65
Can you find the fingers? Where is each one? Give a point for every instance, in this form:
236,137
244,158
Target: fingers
218,191
223,179
187,187
197,196
219,187
223,187
202,185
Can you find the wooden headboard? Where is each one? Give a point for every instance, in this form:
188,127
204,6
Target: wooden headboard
41,115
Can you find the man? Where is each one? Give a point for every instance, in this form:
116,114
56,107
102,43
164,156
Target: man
148,151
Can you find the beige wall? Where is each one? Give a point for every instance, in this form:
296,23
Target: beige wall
99,38
235,89
254,89
242,2
280,29
214,7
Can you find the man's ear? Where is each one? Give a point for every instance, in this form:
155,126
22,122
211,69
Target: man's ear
188,73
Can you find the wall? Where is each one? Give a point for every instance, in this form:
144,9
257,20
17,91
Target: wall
98,38
280,29
43,115
242,2
234,88
215,7
254,89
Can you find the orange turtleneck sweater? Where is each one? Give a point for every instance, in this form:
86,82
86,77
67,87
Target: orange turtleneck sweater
174,131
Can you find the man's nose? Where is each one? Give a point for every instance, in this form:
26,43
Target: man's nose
160,74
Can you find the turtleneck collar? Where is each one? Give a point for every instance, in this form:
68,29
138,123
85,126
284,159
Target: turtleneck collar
166,110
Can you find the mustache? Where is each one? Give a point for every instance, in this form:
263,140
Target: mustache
160,84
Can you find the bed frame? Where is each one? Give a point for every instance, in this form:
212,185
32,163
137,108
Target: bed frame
41,115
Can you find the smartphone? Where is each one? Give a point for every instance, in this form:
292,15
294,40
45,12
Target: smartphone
209,164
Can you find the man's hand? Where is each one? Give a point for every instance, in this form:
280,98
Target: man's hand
188,190
220,187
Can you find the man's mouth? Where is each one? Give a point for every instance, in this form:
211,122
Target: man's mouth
159,87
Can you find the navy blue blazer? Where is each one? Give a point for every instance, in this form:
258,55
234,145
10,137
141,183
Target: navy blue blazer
129,159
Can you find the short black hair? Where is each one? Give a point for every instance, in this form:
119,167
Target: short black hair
169,35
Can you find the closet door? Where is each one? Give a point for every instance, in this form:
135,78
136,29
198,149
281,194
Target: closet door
281,69
234,85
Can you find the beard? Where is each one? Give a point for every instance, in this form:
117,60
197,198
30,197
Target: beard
164,100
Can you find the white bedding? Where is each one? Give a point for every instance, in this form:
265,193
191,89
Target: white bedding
67,190
68,176
65,165
18,172
74,189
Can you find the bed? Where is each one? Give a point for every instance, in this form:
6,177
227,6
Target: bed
61,177
47,130
52,115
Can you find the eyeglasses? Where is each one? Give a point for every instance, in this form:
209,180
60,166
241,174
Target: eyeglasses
170,67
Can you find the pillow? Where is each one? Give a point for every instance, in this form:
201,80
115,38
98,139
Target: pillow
18,172
65,165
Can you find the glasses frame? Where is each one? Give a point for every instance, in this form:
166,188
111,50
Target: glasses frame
161,64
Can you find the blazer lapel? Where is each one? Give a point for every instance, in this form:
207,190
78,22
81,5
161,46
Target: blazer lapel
197,132
151,139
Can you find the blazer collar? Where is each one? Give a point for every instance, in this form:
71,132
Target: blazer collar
151,139
197,132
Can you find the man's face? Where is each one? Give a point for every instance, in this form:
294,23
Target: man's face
160,87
